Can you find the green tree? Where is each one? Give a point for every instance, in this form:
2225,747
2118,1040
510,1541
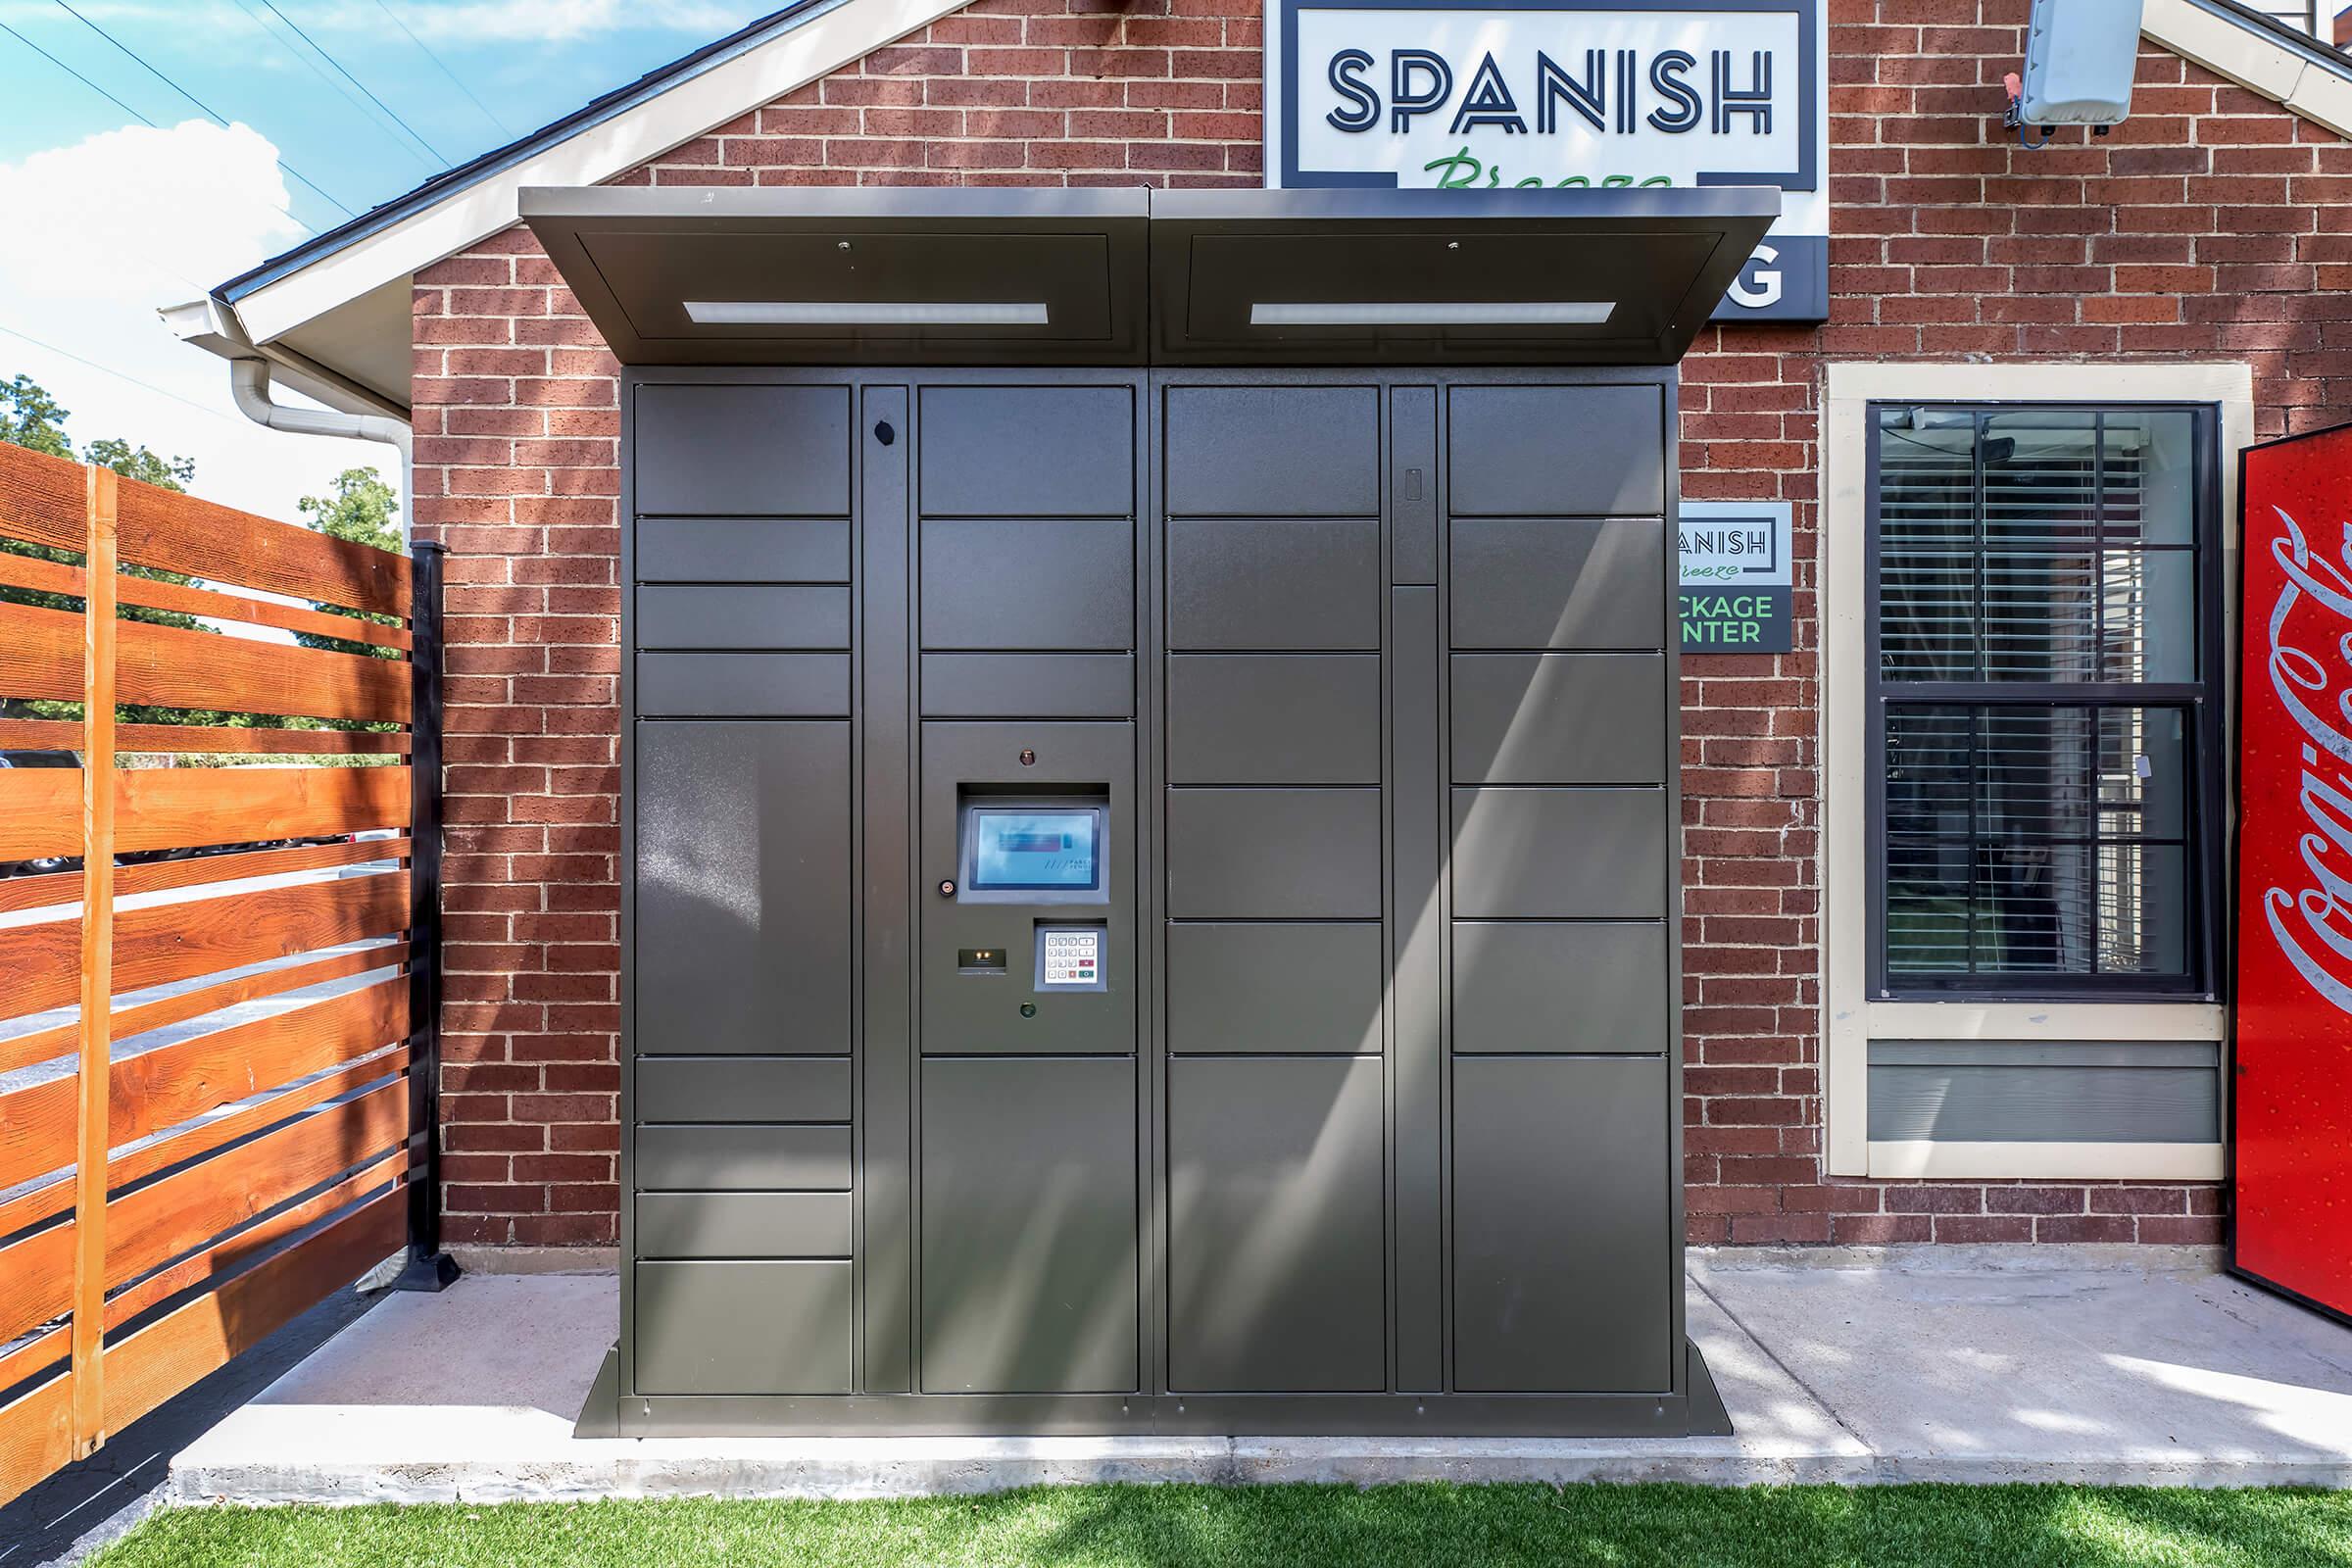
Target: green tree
362,510
30,418
137,462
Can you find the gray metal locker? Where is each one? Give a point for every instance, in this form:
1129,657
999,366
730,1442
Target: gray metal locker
1150,858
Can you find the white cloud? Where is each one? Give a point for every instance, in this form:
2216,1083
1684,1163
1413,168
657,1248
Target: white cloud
512,20
458,23
105,231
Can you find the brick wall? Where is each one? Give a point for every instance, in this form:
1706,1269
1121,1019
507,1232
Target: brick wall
2212,224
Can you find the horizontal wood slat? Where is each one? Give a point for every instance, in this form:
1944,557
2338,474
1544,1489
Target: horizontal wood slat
39,1203
220,1258
180,1213
64,735
40,656
203,539
162,1088
186,1209
189,807
36,1129
41,1045
162,943
36,1429
208,603
167,1356
41,501
155,876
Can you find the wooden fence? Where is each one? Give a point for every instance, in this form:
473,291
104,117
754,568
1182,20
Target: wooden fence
218,983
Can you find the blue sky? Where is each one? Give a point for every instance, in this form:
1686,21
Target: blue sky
114,209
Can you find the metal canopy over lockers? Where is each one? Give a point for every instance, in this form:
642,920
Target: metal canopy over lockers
1149,894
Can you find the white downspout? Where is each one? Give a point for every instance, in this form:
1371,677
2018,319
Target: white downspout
249,381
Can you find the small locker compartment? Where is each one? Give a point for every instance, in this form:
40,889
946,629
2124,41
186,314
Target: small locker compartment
742,1326
1558,582
1563,1269
1494,434
741,450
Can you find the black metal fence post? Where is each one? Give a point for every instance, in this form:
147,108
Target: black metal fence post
429,1267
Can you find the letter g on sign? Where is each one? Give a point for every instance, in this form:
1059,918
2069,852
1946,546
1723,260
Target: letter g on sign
1759,281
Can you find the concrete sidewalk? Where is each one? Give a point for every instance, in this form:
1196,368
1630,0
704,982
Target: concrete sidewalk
2128,1366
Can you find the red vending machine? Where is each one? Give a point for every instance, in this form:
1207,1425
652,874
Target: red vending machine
2292,1088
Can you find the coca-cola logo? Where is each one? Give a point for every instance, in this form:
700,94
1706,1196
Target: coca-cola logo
2310,668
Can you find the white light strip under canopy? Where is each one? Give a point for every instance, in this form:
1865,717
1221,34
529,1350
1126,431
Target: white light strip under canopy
854,313
1434,313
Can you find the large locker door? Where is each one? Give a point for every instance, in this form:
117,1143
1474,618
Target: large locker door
1276,1118
1562,873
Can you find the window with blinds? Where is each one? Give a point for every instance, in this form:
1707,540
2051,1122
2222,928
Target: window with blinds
2041,638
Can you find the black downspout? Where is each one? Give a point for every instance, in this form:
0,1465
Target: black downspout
428,1268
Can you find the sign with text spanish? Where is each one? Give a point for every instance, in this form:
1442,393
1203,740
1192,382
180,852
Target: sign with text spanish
1498,94
1738,587
2293,1091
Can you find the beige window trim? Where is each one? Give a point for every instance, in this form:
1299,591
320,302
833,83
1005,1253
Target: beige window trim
1849,1019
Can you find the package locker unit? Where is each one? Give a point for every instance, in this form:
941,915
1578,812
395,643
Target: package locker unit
1151,887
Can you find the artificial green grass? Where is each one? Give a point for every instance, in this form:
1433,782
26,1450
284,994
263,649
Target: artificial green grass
1298,1527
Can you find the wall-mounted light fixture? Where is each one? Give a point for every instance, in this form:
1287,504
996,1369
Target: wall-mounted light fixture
1437,313
857,313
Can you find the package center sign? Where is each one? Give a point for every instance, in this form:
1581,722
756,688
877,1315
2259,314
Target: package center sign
1608,93
1738,590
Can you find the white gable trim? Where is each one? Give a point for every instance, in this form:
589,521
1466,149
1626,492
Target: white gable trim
2316,87
759,74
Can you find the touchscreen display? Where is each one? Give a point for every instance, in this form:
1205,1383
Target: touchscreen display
1017,848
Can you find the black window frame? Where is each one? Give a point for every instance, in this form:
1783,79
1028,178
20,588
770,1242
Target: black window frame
2201,700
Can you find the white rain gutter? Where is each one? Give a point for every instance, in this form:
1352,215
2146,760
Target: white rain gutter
249,383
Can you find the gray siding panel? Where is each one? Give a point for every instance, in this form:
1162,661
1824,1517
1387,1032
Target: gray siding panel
1996,1092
